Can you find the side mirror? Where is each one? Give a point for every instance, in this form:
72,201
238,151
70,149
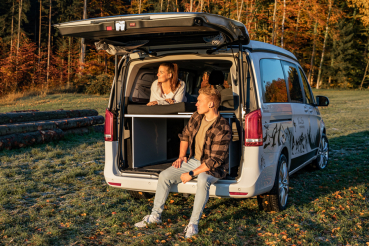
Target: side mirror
322,101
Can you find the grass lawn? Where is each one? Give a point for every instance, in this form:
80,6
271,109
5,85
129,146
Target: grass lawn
55,194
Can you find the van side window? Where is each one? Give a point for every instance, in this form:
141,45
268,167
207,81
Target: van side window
293,82
274,84
309,99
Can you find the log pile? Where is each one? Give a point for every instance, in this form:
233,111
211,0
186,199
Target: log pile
21,129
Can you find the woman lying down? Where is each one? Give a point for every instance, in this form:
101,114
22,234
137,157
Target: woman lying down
167,89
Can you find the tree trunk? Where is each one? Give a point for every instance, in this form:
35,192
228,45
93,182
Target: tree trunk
297,21
366,70
239,10
12,32
29,138
332,60
311,72
252,14
16,117
48,49
177,6
62,124
318,82
201,5
83,46
101,9
139,8
69,61
39,39
365,57
191,3
284,17
274,16
161,6
19,24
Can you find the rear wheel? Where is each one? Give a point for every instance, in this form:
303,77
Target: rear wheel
321,160
140,194
276,199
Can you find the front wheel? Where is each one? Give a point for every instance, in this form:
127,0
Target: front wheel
321,160
276,199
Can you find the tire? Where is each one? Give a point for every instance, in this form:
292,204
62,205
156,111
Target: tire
140,195
276,199
322,159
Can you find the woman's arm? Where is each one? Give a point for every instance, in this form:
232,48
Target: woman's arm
155,95
180,94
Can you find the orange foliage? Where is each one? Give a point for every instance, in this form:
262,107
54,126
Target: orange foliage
276,91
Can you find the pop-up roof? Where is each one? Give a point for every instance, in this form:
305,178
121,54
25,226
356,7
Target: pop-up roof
158,29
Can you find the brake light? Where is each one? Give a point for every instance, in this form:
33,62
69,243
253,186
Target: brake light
109,28
253,129
115,184
109,126
238,193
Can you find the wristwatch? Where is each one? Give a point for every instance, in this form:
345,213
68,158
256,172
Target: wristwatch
191,174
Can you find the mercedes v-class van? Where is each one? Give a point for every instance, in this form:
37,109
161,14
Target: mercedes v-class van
276,124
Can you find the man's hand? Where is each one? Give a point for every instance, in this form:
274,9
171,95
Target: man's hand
170,101
185,177
178,162
152,103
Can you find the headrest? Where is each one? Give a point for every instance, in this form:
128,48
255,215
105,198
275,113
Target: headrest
216,77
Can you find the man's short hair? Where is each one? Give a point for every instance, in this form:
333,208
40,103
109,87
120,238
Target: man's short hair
213,94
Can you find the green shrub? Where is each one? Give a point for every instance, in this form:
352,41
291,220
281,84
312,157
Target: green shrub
100,84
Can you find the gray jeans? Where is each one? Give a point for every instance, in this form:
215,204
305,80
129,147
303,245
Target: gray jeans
172,176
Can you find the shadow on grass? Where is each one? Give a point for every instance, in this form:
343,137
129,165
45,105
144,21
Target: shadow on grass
347,166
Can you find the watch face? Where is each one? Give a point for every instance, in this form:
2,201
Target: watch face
191,173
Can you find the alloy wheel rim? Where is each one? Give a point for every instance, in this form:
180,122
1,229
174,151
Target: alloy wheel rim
323,153
283,183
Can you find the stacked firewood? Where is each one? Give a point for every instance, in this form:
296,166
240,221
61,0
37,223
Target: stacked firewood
21,129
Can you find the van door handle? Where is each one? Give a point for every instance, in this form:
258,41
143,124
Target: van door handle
306,108
310,109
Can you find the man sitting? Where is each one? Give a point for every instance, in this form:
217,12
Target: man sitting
208,135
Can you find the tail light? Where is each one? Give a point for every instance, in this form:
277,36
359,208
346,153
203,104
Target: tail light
253,129
238,193
109,126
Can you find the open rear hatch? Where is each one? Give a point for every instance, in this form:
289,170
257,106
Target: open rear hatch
121,35
158,29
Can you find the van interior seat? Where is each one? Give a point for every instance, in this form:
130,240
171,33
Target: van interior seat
142,86
227,100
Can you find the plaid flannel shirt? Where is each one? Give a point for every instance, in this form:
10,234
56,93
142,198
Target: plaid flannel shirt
216,147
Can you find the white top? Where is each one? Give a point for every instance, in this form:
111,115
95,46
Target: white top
178,95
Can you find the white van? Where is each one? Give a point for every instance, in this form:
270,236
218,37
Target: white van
277,127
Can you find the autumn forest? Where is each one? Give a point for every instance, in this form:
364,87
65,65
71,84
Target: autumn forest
330,38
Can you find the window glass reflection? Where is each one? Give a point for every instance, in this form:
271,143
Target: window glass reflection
274,84
308,97
293,82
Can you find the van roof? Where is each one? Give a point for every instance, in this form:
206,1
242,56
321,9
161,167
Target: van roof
261,46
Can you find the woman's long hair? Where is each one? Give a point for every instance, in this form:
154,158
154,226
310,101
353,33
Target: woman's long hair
173,69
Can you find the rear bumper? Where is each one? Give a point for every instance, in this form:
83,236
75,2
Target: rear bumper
252,180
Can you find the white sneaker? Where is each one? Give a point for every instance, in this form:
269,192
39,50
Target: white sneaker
191,230
148,219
